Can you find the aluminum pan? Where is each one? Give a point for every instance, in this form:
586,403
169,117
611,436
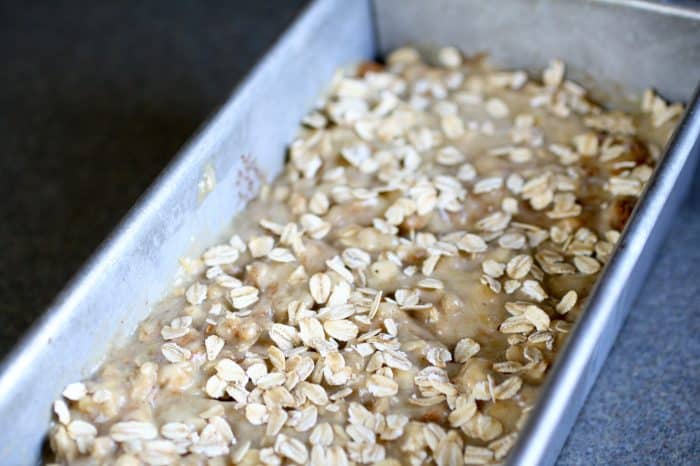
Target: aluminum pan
244,140
629,44
113,291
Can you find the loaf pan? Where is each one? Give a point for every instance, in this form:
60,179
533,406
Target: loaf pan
614,46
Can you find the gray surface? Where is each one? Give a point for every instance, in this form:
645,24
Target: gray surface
133,96
644,407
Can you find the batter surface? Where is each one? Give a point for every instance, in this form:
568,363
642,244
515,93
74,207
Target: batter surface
397,295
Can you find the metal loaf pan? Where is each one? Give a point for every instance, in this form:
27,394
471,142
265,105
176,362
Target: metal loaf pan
632,43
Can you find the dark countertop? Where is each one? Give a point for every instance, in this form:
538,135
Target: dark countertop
97,97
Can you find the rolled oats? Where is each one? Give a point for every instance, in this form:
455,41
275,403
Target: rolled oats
496,108
260,246
472,243
243,296
132,430
421,209
567,302
75,391
586,265
220,255
381,386
465,349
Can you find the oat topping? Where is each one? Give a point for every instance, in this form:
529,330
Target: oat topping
398,294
